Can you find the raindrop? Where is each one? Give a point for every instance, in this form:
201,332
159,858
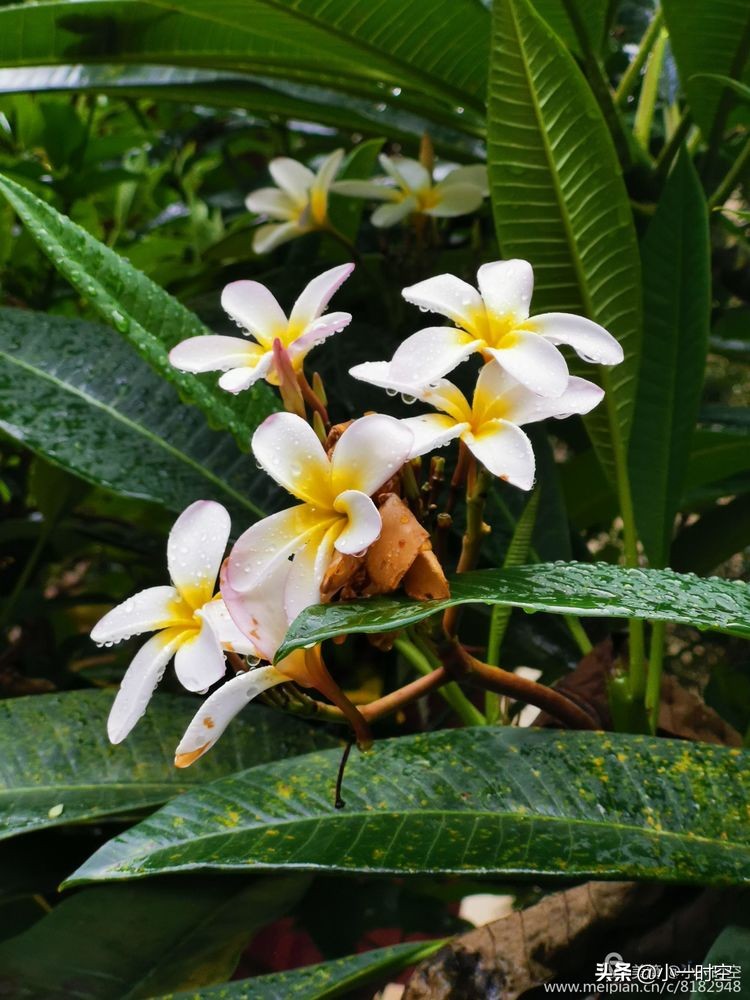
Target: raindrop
391,392
406,398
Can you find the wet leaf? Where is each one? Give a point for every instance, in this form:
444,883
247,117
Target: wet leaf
483,800
57,765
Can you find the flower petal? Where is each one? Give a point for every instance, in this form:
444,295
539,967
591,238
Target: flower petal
288,449
259,613
448,295
267,238
525,407
238,379
199,660
431,431
266,544
392,213
455,199
212,354
195,550
226,631
319,331
374,190
534,362
505,451
328,170
313,300
430,354
139,683
406,172
306,574
475,174
380,373
364,524
370,451
589,340
253,307
272,202
507,287
146,611
293,177
217,711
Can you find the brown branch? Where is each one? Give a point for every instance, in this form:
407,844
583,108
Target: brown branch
466,667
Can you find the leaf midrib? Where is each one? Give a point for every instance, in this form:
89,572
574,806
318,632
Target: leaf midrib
137,428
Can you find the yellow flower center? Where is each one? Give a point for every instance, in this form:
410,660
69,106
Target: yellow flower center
426,199
318,206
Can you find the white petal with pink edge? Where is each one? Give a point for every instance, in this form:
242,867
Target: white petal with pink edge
238,379
306,574
195,550
319,331
230,637
534,362
217,711
431,353
369,452
213,353
363,525
199,661
314,298
433,430
289,450
507,287
146,611
505,451
140,681
448,295
253,307
259,613
293,177
589,340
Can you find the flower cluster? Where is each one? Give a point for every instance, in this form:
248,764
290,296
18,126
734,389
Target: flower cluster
354,531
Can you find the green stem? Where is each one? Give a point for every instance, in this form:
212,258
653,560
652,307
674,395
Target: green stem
632,73
579,634
670,148
424,661
26,572
647,102
655,663
726,187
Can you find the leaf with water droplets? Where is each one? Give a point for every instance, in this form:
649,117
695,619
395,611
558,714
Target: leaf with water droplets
595,590
483,800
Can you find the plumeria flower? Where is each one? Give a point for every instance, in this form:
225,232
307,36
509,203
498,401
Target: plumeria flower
408,188
191,624
335,512
299,202
495,320
489,426
260,316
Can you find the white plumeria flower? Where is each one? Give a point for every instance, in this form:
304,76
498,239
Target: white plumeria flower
489,426
336,511
495,320
256,310
262,612
299,203
408,188
191,624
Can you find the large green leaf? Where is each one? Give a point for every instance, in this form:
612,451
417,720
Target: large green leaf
731,948
133,942
708,38
323,981
77,394
594,590
677,305
716,455
147,316
434,53
560,202
57,766
483,800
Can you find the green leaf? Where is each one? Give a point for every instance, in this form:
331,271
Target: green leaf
482,800
147,316
731,947
323,981
592,590
708,38
676,260
57,766
435,51
560,202
133,942
346,213
716,455
593,16
116,424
